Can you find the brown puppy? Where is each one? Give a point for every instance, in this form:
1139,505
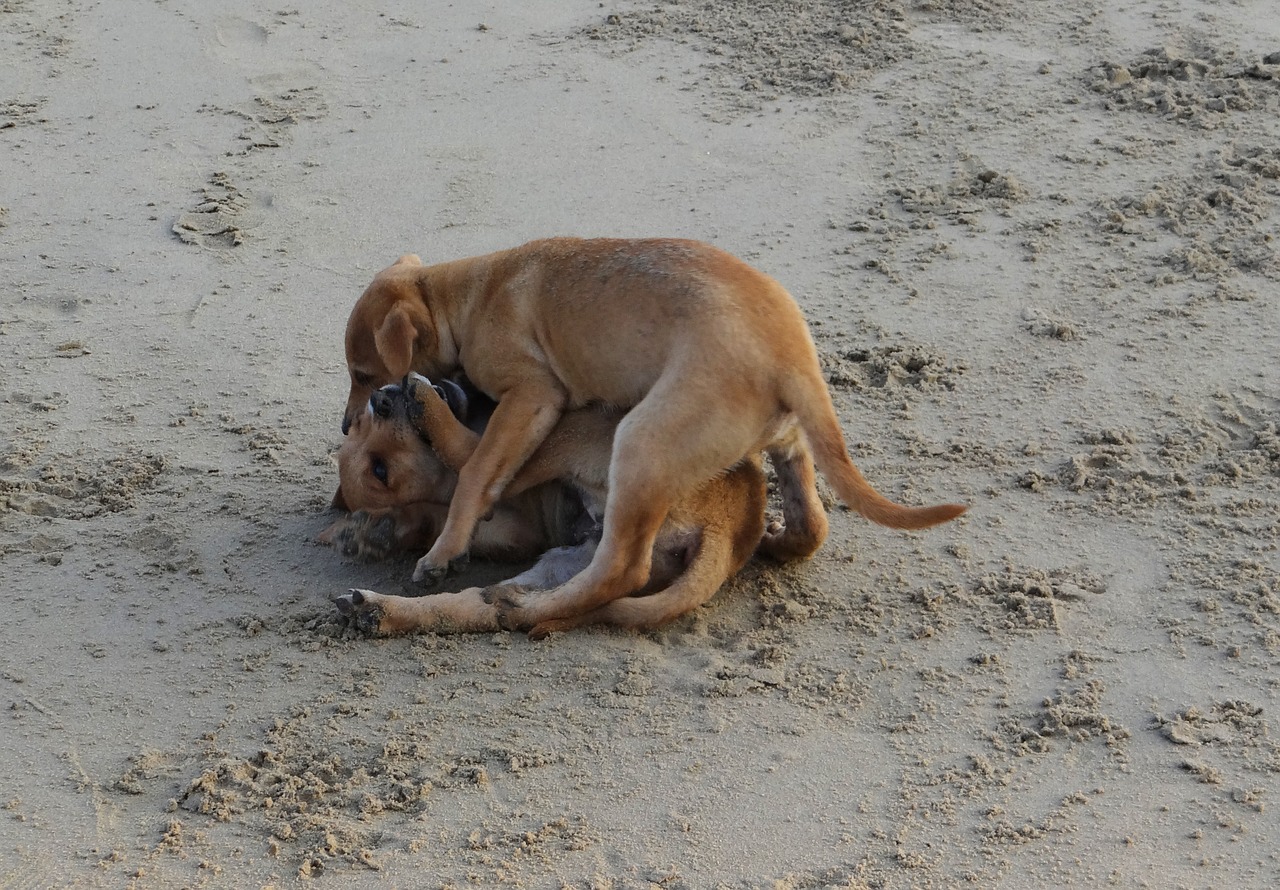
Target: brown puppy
712,357
396,464
398,488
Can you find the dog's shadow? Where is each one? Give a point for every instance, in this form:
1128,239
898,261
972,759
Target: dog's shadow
351,540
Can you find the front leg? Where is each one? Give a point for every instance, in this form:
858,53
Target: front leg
525,415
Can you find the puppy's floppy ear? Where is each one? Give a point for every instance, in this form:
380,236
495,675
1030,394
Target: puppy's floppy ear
409,259
340,501
395,341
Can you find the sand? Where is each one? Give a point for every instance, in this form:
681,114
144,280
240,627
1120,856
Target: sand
1037,247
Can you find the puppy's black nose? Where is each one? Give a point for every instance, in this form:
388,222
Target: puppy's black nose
381,402
346,425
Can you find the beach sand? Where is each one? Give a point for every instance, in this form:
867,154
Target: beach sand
1037,247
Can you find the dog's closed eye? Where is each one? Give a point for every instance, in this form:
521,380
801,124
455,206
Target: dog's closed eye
379,468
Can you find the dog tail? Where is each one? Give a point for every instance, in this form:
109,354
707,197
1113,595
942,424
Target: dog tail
808,399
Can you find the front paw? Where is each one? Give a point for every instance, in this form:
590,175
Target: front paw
512,602
419,389
430,399
362,609
427,571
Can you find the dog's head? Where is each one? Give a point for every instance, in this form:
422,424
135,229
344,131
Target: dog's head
389,333
384,462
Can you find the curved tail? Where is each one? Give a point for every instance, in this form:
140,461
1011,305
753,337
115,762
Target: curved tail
809,400
856,491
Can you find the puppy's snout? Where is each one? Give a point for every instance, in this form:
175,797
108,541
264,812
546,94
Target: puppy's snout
346,424
382,402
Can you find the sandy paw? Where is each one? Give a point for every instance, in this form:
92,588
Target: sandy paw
773,544
362,609
427,572
513,604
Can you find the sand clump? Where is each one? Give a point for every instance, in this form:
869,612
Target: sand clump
1190,84
891,369
76,487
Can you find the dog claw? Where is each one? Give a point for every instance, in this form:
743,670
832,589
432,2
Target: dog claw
504,596
411,384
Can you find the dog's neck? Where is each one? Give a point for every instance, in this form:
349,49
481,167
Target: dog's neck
448,352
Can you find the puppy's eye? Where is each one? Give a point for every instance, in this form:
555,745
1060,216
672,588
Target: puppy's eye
379,468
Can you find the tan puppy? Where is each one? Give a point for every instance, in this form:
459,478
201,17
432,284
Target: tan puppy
395,467
398,488
712,357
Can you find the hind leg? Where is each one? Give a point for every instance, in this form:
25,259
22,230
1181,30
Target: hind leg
379,614
804,518
669,445
553,568
711,536
632,612
620,567
711,563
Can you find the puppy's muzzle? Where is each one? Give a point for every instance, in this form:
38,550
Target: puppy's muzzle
387,401
393,399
